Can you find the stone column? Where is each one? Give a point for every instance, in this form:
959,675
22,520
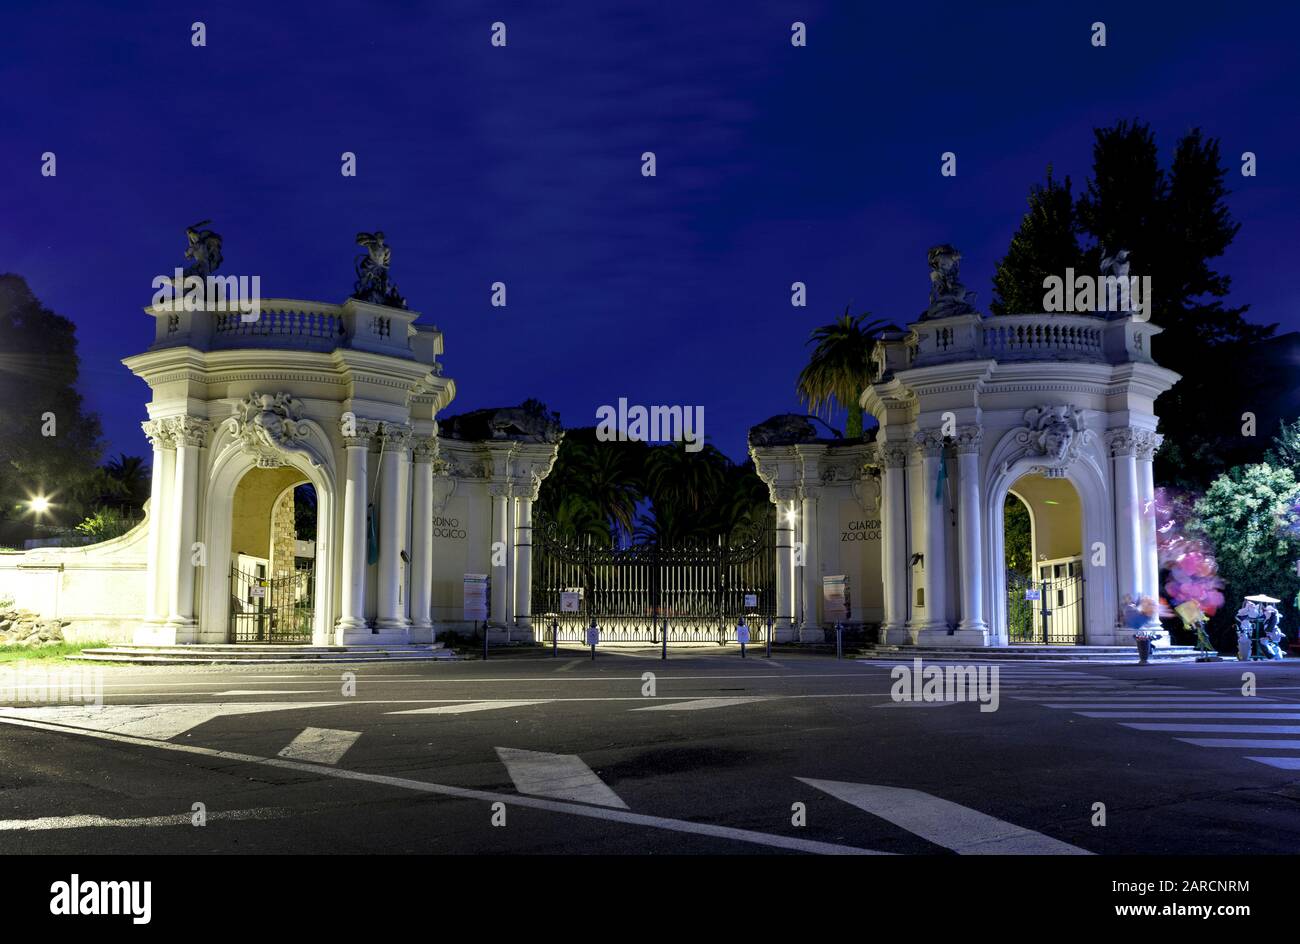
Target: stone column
190,436
783,628
157,603
500,601
1130,580
893,557
422,541
1147,444
972,630
934,629
390,618
523,571
810,630
352,592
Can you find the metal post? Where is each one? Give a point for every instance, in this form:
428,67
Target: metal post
769,637
485,643
664,657
839,640
555,638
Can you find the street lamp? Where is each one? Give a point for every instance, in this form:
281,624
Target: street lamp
39,505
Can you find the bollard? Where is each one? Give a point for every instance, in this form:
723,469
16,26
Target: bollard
555,638
839,641
664,657
769,637
485,641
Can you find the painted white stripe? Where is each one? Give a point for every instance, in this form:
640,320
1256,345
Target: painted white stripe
92,821
1189,715
920,704
944,823
729,833
147,721
273,691
1282,763
558,776
1218,728
1280,744
320,745
702,703
1172,706
470,706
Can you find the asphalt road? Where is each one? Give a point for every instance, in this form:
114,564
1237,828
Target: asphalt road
529,754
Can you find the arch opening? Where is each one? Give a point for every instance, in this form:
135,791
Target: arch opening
1042,542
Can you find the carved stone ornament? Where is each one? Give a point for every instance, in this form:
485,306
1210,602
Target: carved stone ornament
1054,434
444,486
867,491
270,428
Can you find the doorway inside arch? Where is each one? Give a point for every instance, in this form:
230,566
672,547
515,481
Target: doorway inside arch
1042,522
273,558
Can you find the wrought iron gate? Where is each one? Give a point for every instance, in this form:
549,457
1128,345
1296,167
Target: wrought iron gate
694,591
272,609
1047,611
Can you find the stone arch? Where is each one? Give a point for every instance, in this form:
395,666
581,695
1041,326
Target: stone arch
1087,474
230,463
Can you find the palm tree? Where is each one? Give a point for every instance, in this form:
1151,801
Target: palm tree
840,367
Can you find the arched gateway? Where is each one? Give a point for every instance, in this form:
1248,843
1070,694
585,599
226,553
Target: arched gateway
344,398
972,408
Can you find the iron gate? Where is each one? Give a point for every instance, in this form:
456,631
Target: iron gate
694,591
1047,611
272,609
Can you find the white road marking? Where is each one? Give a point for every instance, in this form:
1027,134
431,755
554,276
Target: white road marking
320,745
1218,728
1282,763
699,704
944,823
921,704
461,709
1281,744
1190,715
1171,705
558,776
273,691
554,806
92,821
161,722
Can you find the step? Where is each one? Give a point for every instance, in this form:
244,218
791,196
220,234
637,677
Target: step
263,655
1113,654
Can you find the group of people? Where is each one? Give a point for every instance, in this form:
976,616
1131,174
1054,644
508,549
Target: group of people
1258,623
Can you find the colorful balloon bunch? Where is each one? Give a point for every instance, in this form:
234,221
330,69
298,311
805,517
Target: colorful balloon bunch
1193,571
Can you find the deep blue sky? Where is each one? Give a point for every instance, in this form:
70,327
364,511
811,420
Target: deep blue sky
522,164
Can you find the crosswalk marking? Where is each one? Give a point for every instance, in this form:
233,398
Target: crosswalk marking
1282,763
160,722
558,776
1278,744
944,823
1195,715
698,704
469,706
320,745
1218,728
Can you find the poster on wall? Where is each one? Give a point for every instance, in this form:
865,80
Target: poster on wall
836,605
476,596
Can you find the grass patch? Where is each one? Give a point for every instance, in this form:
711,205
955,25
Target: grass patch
56,652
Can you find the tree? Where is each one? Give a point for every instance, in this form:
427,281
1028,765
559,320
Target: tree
1251,517
1017,542
49,442
1285,451
840,367
1047,243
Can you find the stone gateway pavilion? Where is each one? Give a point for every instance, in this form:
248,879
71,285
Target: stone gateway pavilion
308,489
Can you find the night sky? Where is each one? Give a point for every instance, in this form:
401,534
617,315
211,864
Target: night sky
522,164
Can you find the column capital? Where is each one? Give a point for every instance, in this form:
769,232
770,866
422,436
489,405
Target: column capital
1147,444
188,431
893,455
357,432
499,490
397,437
1122,441
969,439
929,443
158,434
425,449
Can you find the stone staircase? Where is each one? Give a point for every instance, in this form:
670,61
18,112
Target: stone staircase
1104,654
233,654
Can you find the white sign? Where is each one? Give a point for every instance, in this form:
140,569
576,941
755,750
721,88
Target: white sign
593,635
836,606
475,596
257,593
751,600
569,601
1033,595
742,634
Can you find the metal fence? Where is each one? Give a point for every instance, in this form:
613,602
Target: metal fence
695,591
271,609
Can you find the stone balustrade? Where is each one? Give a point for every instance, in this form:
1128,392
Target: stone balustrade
1040,337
